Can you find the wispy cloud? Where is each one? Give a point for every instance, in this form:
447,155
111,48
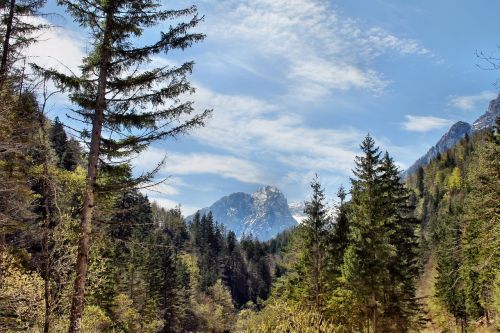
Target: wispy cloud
170,204
225,166
471,102
58,47
249,127
424,123
317,50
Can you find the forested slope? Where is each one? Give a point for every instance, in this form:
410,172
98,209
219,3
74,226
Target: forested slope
458,200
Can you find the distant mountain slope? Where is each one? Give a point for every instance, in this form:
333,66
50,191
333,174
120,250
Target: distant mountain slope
457,132
297,210
487,120
447,141
262,214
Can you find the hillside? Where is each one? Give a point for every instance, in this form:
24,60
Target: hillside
458,196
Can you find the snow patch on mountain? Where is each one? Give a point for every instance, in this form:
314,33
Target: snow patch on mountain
262,214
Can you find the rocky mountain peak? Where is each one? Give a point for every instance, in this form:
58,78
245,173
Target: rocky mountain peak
488,119
494,106
263,214
457,132
454,134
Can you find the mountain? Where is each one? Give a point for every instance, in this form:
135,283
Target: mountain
457,132
263,214
297,210
487,120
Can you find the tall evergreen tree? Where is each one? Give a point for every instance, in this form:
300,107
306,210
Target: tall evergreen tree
123,101
401,304
449,285
315,230
59,140
16,32
368,256
68,151
339,236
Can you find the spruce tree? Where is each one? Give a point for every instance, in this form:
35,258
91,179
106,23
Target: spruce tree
340,235
59,140
401,303
368,256
126,104
315,233
449,284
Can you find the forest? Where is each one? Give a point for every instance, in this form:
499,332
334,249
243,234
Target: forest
83,249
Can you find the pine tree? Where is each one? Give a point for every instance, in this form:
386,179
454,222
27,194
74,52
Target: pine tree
401,304
368,256
59,140
315,233
16,113
449,284
122,100
340,235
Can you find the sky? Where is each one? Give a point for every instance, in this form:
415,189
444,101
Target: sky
295,85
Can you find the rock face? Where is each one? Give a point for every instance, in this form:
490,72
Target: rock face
262,214
488,119
457,132
297,210
447,141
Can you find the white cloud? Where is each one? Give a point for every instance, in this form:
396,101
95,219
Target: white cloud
472,102
424,123
170,204
222,165
58,47
248,127
163,188
202,163
320,50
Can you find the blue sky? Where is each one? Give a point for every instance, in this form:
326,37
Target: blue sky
296,84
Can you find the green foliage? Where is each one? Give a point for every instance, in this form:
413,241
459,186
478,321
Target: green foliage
314,231
367,260
460,212
21,294
282,316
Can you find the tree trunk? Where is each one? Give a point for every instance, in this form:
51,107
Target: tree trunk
374,313
6,42
48,305
317,272
3,71
2,252
47,218
45,245
93,161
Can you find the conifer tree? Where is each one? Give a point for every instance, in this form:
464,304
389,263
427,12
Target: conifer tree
340,234
449,285
59,140
125,103
401,304
367,258
315,233
16,31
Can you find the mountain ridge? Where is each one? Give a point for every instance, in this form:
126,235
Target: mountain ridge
457,132
262,214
